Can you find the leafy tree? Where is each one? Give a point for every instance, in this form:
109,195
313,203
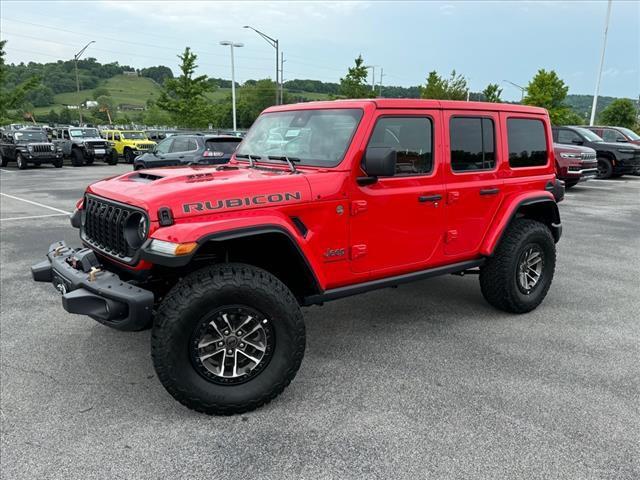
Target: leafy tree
53,117
11,98
438,88
66,117
354,84
620,113
549,91
570,117
154,115
183,97
101,91
492,93
26,111
158,74
105,106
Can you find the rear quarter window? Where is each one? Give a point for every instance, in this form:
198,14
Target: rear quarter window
226,146
527,142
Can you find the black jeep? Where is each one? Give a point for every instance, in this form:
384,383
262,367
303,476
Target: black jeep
83,145
28,146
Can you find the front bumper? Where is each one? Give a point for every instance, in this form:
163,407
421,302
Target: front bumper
627,165
88,289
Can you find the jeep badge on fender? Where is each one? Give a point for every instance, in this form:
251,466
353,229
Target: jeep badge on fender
320,201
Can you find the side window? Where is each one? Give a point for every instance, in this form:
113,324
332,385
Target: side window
527,142
609,135
411,137
180,144
472,144
568,137
193,145
65,134
164,145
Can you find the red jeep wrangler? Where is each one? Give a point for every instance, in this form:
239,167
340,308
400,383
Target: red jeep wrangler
321,201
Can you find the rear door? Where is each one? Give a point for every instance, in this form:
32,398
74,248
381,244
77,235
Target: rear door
474,186
397,222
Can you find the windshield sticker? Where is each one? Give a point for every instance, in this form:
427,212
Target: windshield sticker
213,205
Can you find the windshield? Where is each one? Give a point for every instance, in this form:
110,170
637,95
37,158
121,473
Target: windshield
588,134
313,137
629,133
224,146
134,136
83,132
33,136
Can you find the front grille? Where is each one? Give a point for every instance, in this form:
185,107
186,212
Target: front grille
104,225
42,148
145,146
94,145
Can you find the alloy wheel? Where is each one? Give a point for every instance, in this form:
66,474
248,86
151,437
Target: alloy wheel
530,268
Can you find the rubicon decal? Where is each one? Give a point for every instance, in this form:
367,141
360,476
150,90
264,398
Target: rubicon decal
213,205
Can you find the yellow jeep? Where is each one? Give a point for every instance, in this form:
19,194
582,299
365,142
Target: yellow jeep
128,143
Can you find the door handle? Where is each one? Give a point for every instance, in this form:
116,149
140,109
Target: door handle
429,198
489,191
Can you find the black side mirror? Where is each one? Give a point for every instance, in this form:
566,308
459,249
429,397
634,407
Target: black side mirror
622,140
378,162
577,142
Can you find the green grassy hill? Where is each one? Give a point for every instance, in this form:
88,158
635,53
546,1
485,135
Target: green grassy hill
136,91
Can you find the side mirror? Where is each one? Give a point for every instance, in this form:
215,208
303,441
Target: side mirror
577,142
622,140
378,162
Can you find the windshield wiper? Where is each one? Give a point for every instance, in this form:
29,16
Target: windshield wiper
289,160
251,157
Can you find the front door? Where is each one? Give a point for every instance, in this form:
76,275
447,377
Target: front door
397,222
474,187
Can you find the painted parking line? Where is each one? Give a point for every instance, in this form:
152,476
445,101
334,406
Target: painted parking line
35,203
7,171
35,216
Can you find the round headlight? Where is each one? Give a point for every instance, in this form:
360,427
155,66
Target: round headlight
53,148
136,229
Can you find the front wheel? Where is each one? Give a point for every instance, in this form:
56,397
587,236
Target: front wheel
129,156
4,161
570,183
227,339
605,168
518,275
77,158
22,163
58,162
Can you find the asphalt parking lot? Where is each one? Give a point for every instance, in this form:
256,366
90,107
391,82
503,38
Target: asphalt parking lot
423,381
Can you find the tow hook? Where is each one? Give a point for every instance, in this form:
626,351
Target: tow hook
93,272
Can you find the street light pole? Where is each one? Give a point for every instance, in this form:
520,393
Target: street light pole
522,89
373,76
232,45
604,47
275,44
381,75
75,60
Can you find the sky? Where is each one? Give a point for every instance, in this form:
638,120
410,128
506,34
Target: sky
484,41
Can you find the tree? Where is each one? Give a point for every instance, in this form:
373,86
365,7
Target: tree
354,84
66,117
183,97
105,105
620,113
100,91
492,93
549,91
438,88
26,110
158,74
11,98
154,115
53,117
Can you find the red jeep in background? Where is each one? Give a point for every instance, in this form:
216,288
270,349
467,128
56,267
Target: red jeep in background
321,201
575,163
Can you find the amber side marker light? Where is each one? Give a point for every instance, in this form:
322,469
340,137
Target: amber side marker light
171,248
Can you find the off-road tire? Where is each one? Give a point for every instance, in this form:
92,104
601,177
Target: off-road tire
189,302
3,161
605,168
89,161
129,155
21,162
114,158
570,183
58,162
499,275
77,158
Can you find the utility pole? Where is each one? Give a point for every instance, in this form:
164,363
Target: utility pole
604,47
75,60
373,76
232,45
275,44
281,78
381,75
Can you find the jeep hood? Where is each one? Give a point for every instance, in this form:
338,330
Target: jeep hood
195,190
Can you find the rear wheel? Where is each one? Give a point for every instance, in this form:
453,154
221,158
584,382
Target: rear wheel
77,158
605,168
22,163
4,161
227,339
518,276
